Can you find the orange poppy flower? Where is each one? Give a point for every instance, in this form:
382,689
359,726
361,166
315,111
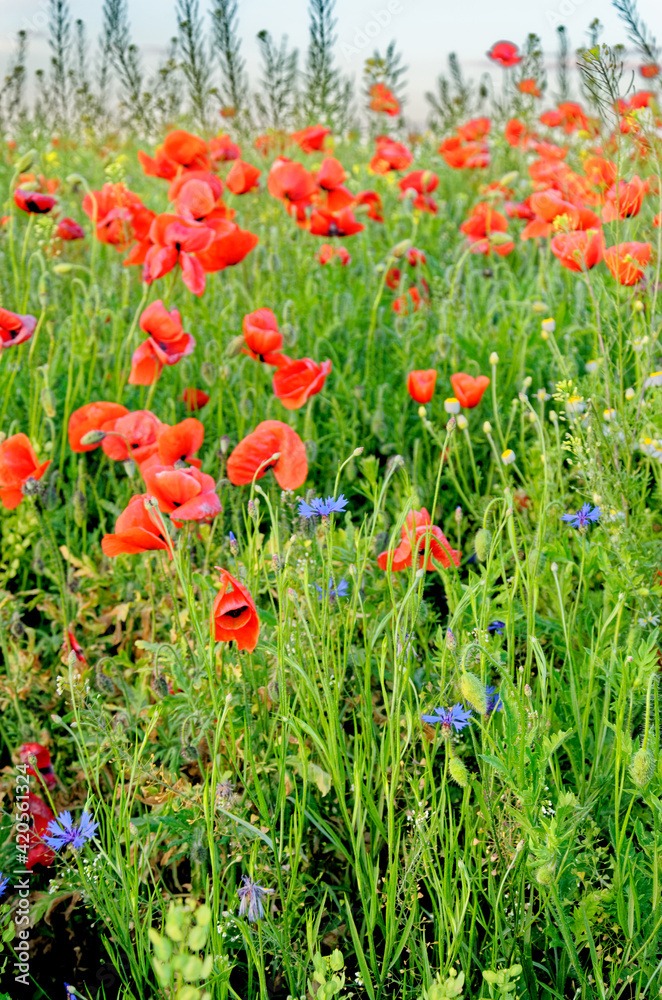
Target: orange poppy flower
516,133
579,251
469,390
418,533
180,442
311,139
390,155
290,182
194,399
408,303
420,385
649,70
476,128
18,463
180,151
33,202
166,345
196,196
234,615
625,199
384,100
121,216
222,149
269,438
297,381
15,329
136,530
327,252
263,338
505,53
99,416
175,240
133,435
601,172
229,246
243,177
627,261
529,86
373,202
326,223
483,221
416,257
188,494
465,156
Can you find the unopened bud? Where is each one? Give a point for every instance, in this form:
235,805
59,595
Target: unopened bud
30,487
545,874
235,346
209,372
62,268
129,467
462,421
357,451
253,509
234,544
26,161
458,772
494,358
224,445
487,427
473,691
47,400
79,503
92,437
642,767
458,515
482,543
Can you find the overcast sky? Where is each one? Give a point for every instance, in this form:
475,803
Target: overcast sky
425,30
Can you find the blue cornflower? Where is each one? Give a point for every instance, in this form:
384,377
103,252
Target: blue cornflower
497,627
456,717
585,515
63,833
4,881
494,703
322,508
71,992
252,894
340,591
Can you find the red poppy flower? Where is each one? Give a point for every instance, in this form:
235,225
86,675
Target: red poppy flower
384,100
174,241
268,438
15,329
469,390
40,815
194,399
420,385
297,381
311,139
137,529
529,86
418,534
476,128
420,181
196,196
18,463
408,303
243,177
121,216
263,338
290,182
234,615
38,183
133,435
166,345
579,251
326,223
228,112
43,762
392,278
222,149
416,257
483,221
390,155
188,494
68,229
72,645
229,246
327,252
627,262
464,156
516,133
180,151
331,173
505,53
373,202
649,70
180,442
601,172
625,199
33,201
98,416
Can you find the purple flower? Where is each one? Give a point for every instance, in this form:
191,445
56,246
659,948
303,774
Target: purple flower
497,626
456,717
494,703
63,833
4,881
71,992
585,515
322,508
340,591
252,896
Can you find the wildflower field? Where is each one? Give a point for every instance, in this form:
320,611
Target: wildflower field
330,484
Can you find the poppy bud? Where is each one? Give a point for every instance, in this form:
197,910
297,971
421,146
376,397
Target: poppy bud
494,358
42,290
47,400
209,372
451,425
223,446
189,753
30,487
79,504
357,452
458,515
159,685
545,874
92,437
462,421
642,767
26,161
451,641
103,682
400,249
72,659
458,772
63,268
235,346
482,543
311,450
289,334
474,692
129,467
246,407
234,545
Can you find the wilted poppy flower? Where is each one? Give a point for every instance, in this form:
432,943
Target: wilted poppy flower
418,533
18,464
326,223
222,149
40,815
194,399
311,139
166,345
68,229
15,329
180,442
505,53
119,215
383,100
175,240
243,177
42,762
99,416
269,438
263,338
420,385
72,645
186,494
297,381
469,390
137,529
627,261
33,201
180,151
133,435
234,615
408,303
625,199
529,86
579,251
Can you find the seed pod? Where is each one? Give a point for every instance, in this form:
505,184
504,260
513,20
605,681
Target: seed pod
482,543
545,874
458,772
642,767
474,692
79,503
